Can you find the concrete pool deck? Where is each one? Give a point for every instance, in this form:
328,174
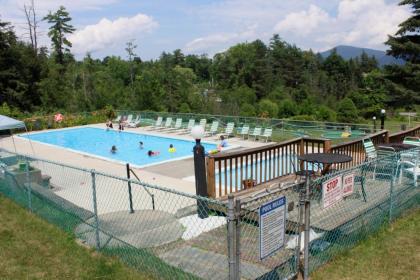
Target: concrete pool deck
167,174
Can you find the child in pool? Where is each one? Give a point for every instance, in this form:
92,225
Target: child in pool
171,149
151,153
113,149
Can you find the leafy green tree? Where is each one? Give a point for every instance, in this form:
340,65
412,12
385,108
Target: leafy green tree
60,27
347,111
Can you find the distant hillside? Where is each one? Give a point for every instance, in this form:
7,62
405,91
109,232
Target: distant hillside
348,52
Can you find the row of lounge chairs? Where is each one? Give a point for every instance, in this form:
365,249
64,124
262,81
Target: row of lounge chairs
129,122
169,125
244,132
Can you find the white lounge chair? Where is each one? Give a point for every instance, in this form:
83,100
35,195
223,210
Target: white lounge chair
134,123
117,119
157,124
256,133
268,132
129,119
188,128
228,130
177,125
168,124
203,123
244,131
213,128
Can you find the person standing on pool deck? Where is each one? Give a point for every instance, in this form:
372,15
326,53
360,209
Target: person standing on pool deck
113,149
109,125
121,125
141,145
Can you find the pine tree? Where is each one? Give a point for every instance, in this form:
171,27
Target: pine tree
406,42
57,32
404,82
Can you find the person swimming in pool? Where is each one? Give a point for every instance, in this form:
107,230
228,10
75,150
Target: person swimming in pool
151,153
141,145
171,149
113,149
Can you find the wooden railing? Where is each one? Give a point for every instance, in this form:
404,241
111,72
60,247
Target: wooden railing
356,150
399,136
227,171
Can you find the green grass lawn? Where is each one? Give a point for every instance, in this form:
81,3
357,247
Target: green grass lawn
392,253
31,248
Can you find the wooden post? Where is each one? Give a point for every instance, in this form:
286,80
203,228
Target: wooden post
327,146
386,136
302,152
211,180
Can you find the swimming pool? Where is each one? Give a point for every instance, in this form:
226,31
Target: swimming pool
98,142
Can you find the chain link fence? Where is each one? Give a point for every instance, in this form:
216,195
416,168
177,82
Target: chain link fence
174,235
373,194
282,128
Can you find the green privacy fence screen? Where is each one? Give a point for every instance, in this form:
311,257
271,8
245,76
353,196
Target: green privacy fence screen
168,240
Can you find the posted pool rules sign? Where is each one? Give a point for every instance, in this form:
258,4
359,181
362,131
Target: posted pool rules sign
272,217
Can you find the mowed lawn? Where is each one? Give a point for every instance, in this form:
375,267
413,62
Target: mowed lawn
31,248
392,253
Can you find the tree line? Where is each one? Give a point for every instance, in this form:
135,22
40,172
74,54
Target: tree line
277,79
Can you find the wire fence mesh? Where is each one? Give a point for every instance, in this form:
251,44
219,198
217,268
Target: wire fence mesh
372,194
173,235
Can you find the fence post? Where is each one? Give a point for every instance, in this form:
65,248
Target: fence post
302,196
238,238
391,186
231,224
28,184
95,209
130,196
307,228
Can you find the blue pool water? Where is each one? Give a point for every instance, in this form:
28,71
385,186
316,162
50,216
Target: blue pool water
98,142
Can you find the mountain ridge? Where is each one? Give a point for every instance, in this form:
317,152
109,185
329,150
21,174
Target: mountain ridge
348,52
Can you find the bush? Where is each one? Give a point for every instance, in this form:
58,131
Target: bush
268,108
326,114
247,110
288,108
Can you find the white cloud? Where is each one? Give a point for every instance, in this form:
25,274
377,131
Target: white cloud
357,22
303,22
107,33
216,42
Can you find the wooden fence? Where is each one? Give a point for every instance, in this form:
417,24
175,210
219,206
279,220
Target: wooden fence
399,136
356,150
226,172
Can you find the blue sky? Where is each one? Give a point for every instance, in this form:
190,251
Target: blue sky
211,26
